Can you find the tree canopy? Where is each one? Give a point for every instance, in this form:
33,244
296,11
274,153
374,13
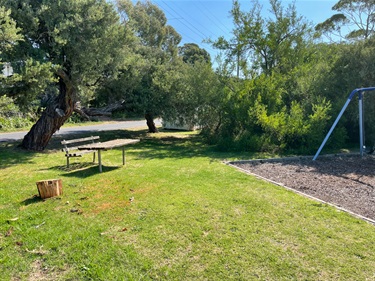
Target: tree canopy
264,45
154,57
76,42
192,53
354,20
9,32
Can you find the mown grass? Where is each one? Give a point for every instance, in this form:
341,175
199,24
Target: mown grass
174,212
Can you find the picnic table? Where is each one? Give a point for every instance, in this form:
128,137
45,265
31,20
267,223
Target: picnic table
108,145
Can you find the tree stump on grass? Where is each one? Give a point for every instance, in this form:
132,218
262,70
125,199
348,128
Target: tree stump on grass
49,188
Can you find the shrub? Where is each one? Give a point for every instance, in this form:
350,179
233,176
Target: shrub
10,115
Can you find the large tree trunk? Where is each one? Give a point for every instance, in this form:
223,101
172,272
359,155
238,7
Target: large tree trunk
55,115
150,123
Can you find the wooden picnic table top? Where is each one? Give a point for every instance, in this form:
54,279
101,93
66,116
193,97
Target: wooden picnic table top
108,144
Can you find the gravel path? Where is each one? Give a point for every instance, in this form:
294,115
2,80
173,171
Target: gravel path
345,181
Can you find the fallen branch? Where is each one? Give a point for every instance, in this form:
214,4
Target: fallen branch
102,111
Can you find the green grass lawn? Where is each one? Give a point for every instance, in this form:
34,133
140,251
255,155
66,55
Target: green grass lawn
174,212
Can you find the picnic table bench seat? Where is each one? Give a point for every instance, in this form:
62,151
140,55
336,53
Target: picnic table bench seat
72,151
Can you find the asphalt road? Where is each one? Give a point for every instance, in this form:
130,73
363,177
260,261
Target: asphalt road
84,129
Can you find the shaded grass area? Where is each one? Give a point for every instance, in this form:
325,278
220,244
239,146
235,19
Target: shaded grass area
174,212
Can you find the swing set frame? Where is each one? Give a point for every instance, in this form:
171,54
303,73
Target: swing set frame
360,92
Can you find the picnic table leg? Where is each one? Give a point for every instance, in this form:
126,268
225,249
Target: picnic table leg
123,156
100,160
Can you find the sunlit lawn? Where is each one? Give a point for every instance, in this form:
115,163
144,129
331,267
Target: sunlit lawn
174,212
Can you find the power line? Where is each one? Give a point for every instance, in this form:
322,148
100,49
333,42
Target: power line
177,16
192,28
201,32
193,22
219,23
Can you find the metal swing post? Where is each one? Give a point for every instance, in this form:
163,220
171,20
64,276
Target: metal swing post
361,128
361,119
335,123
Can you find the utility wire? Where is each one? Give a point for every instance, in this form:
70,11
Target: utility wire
192,28
213,18
175,15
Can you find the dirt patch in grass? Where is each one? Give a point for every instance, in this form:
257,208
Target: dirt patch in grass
40,272
346,181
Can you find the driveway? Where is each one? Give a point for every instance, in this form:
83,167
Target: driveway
83,129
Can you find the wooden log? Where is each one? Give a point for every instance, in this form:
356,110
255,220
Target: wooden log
49,188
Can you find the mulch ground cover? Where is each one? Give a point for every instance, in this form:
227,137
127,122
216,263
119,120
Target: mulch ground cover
346,181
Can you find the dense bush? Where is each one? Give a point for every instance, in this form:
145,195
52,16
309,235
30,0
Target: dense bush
10,115
256,117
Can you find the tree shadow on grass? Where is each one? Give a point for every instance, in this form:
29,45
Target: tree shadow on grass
83,170
168,147
11,154
172,146
167,144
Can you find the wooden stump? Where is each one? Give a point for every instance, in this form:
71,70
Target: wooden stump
49,188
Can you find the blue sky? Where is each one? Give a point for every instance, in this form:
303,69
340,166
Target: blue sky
197,20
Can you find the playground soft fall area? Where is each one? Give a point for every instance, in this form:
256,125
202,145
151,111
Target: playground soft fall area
346,181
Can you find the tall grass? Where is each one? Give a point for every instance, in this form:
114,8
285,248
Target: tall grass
174,212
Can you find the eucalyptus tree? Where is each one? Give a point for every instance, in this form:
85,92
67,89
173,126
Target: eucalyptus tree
78,42
262,45
354,20
156,49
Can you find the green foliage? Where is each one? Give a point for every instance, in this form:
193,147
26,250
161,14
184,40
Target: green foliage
9,32
7,106
15,122
150,26
67,35
29,83
341,70
291,105
266,45
75,119
192,53
10,115
291,130
147,75
236,121
256,117
196,95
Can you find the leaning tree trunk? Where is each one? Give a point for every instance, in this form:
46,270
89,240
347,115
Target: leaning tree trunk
150,123
55,115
